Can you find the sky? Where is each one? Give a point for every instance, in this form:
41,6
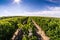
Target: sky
30,8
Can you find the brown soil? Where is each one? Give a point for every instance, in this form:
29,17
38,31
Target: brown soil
18,34
40,31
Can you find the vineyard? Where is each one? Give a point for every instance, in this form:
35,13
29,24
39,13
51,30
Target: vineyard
28,31
51,26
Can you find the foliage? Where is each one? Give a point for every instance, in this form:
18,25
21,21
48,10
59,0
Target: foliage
8,26
51,26
28,28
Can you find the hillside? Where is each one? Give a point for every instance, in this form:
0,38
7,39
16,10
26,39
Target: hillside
9,25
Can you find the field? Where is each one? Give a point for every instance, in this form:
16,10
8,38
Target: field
51,26
9,25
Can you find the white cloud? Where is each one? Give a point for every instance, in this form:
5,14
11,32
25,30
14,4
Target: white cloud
54,8
52,12
5,11
54,1
43,13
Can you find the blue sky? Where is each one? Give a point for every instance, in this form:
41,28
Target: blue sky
30,7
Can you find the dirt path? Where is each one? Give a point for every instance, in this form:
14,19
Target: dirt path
40,31
17,35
